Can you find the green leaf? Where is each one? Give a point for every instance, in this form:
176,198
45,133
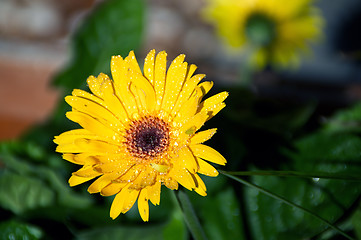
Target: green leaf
330,198
221,216
172,229
190,217
114,28
11,230
356,221
20,193
287,202
345,120
122,232
175,229
22,175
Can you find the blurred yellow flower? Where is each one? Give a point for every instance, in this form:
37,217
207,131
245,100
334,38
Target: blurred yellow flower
139,131
275,31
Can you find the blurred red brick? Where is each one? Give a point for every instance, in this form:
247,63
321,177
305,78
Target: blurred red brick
25,95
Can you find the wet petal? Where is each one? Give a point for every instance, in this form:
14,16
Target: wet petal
112,101
208,153
149,66
186,92
76,180
184,177
92,108
189,108
130,199
112,188
159,77
203,136
206,168
143,205
212,101
101,182
118,202
94,85
143,84
154,192
144,179
174,81
87,172
188,160
91,124
201,187
205,87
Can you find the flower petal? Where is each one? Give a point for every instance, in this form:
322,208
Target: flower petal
72,158
149,66
112,188
189,108
90,145
133,63
130,199
114,166
121,76
192,125
94,85
91,124
159,77
188,160
205,87
208,153
86,95
210,102
87,172
102,182
201,187
154,192
130,175
69,136
143,205
203,136
206,168
143,83
111,100
145,178
184,177
213,111
76,180
170,183
174,81
187,90
118,202
92,108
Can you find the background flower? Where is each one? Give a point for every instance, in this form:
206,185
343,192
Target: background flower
272,32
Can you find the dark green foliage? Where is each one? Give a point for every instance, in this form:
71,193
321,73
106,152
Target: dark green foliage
10,230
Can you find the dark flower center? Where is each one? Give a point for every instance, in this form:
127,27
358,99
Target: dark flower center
260,29
147,137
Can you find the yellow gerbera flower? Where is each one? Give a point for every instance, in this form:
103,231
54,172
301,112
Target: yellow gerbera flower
276,30
139,131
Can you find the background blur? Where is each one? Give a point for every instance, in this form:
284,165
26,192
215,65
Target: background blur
35,36
302,120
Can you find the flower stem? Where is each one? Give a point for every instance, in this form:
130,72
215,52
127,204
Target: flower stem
325,175
275,196
190,216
